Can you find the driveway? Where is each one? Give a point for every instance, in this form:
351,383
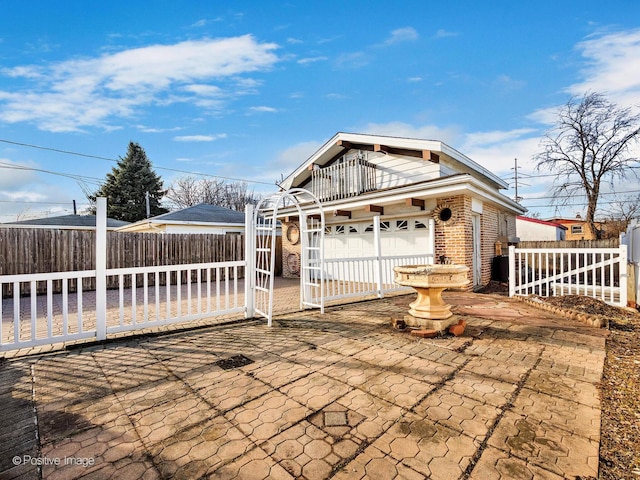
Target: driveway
340,395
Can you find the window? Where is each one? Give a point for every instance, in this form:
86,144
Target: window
385,227
576,229
369,228
418,225
445,214
339,229
353,229
402,225
327,229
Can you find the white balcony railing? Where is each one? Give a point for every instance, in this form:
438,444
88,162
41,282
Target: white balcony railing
348,178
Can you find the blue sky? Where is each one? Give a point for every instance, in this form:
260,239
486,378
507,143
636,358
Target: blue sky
248,90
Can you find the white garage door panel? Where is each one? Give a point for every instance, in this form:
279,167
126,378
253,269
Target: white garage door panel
355,241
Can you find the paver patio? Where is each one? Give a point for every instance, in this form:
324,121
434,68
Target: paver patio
340,395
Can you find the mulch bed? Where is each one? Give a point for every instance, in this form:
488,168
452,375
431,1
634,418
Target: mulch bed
619,388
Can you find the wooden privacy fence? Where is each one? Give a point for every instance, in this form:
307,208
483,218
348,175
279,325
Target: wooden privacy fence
602,243
27,251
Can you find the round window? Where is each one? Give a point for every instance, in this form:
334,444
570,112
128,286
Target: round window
445,214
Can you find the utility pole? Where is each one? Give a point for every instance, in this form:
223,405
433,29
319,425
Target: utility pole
515,178
148,204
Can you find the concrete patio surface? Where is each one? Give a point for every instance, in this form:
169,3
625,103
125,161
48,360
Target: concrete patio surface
340,395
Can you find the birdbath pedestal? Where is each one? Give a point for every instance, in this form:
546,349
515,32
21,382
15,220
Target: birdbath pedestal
429,311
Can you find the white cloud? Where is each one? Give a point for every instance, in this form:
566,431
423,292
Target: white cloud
286,161
204,90
473,140
352,60
505,82
414,79
305,61
199,138
335,96
263,109
545,116
19,187
612,66
402,129
612,62
78,93
145,129
442,33
13,176
496,150
405,34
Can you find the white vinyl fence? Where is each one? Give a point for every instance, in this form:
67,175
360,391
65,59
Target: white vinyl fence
596,272
162,295
631,238
169,294
364,276
158,295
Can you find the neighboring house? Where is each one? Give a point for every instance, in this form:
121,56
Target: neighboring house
407,182
65,222
202,218
577,228
534,229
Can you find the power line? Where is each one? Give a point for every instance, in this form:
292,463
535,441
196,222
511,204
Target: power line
82,178
576,195
581,204
97,157
41,203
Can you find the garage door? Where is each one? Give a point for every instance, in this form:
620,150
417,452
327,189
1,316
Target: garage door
397,237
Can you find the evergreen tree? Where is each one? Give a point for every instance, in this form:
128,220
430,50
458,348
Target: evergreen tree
127,185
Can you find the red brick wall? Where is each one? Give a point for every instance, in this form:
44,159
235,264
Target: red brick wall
489,234
455,237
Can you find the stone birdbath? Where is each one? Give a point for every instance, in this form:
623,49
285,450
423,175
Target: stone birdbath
429,311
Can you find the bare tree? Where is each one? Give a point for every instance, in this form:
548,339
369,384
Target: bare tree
619,214
185,192
590,143
190,191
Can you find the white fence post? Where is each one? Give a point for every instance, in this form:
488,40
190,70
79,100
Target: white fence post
622,266
101,268
378,253
432,239
512,270
250,261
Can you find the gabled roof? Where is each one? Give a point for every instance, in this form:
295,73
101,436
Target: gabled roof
433,150
85,221
203,212
570,220
541,222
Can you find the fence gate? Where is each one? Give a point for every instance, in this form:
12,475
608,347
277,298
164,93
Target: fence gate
596,272
261,230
